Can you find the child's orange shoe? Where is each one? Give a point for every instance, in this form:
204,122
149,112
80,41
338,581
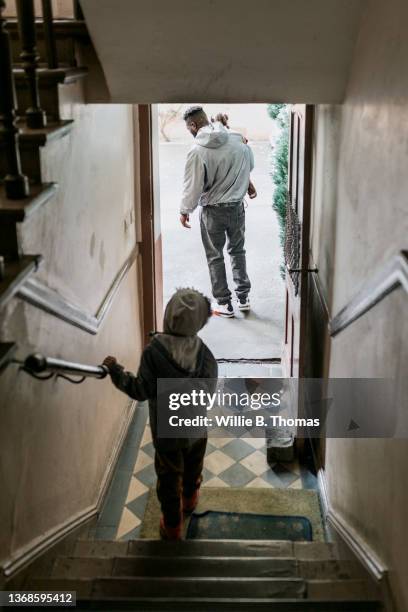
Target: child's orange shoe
170,533
190,503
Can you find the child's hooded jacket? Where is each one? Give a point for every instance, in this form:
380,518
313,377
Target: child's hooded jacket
176,353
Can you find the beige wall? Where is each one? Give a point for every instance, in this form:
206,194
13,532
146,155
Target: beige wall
57,439
369,134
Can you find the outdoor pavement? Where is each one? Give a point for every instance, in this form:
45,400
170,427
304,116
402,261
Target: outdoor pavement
258,334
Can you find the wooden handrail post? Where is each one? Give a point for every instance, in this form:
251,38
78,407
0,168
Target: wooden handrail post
16,184
26,22
49,35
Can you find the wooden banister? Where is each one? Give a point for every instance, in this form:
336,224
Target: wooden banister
393,275
16,183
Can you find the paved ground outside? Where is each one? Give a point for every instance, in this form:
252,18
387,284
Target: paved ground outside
257,335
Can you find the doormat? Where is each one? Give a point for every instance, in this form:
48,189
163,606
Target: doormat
271,502
212,525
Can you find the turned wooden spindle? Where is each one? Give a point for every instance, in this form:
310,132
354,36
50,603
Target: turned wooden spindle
15,183
49,34
35,116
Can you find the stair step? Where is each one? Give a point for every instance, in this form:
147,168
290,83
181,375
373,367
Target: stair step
51,76
66,31
74,567
304,551
16,211
20,210
98,567
40,137
30,142
193,587
114,588
190,548
50,82
223,604
16,273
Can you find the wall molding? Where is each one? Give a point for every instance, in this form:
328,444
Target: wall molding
358,546
392,275
28,554
38,294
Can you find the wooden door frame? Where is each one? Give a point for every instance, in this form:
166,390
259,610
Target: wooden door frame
305,253
147,243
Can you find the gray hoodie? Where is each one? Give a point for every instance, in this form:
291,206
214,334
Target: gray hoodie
217,168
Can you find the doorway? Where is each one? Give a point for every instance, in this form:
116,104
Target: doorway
244,347
257,335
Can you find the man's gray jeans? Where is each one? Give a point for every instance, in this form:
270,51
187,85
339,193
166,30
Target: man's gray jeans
220,224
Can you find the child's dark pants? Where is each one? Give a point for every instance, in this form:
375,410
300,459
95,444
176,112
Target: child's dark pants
178,473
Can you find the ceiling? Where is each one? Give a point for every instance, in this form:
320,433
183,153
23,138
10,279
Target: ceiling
225,50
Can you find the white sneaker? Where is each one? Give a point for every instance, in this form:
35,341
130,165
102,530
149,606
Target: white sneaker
223,310
244,304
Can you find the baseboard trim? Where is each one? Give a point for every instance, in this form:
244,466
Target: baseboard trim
358,546
28,554
324,498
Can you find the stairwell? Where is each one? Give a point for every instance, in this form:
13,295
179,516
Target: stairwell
145,574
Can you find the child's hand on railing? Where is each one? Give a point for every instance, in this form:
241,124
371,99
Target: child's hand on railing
110,362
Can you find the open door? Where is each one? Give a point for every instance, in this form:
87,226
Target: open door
150,245
297,240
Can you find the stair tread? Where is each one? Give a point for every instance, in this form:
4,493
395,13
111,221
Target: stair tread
65,74
289,594
275,548
16,273
179,566
201,565
234,603
227,605
19,210
39,137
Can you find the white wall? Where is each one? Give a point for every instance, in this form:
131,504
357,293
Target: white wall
230,51
57,439
369,136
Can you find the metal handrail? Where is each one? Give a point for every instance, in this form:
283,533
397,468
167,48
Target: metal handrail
39,364
393,275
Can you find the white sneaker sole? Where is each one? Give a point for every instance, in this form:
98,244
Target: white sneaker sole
244,308
225,315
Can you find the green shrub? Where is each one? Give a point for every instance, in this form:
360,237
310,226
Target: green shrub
279,173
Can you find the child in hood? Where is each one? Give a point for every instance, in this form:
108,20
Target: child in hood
176,353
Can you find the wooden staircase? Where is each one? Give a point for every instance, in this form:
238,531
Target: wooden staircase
210,575
23,189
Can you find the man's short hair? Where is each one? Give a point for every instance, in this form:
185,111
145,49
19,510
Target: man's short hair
193,111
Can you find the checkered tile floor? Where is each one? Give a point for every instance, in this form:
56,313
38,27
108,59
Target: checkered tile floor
229,462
